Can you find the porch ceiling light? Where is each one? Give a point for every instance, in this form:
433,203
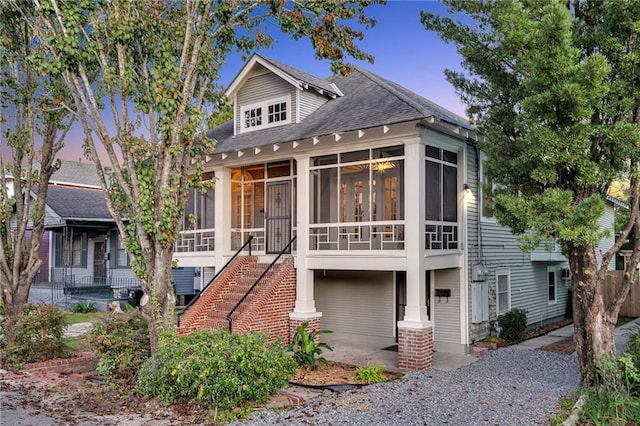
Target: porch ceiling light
383,166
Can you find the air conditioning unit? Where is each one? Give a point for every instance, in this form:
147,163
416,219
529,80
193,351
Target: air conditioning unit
565,274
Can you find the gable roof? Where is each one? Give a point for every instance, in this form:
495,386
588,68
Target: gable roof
75,203
294,76
369,101
76,173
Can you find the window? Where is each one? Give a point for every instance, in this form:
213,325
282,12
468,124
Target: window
122,257
200,212
358,186
503,290
253,117
265,114
71,250
278,112
441,185
551,284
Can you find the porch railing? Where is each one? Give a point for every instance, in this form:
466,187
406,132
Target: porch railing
441,235
387,235
238,235
196,240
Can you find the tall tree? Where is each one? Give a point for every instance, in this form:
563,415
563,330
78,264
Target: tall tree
554,87
33,125
157,64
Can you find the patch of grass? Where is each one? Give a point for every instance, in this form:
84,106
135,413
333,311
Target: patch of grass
77,317
77,344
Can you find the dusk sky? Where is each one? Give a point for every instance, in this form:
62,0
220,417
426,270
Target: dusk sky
405,52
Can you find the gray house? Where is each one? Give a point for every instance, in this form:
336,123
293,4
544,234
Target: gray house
373,194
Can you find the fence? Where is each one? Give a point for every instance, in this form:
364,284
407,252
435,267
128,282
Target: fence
631,305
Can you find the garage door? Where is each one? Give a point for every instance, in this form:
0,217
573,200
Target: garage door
356,302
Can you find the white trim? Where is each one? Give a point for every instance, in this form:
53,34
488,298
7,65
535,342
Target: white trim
264,105
502,272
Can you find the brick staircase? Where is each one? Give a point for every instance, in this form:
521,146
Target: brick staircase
266,308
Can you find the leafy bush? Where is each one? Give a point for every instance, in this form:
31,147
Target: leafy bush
513,324
35,335
614,399
216,368
305,350
83,308
370,374
121,342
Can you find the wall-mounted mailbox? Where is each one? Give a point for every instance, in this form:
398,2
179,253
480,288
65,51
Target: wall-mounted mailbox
441,292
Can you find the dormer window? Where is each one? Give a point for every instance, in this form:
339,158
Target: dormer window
265,114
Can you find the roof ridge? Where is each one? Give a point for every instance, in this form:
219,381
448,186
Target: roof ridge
385,84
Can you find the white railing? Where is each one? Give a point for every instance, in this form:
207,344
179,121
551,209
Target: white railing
388,235
239,236
441,235
196,240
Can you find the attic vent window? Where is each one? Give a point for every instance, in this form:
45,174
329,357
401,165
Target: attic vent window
261,115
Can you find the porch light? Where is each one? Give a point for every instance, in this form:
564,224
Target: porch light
383,166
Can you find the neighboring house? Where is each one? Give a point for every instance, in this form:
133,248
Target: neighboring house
380,188
81,248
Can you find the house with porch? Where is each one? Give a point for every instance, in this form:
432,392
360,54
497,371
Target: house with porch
367,200
81,249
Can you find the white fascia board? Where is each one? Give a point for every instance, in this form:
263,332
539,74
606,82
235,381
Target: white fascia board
255,59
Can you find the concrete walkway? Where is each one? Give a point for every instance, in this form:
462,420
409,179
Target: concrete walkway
622,340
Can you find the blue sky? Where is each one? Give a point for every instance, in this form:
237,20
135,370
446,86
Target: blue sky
405,52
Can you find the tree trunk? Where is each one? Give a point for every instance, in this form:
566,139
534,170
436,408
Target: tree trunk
159,308
593,321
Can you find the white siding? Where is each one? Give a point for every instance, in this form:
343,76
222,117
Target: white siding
446,310
356,302
309,102
607,221
263,88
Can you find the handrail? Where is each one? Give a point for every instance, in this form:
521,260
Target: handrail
283,251
197,296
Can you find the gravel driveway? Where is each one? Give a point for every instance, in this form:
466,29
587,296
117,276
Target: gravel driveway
506,387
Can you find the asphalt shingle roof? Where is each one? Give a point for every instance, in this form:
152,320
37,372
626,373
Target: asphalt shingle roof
76,172
368,101
77,203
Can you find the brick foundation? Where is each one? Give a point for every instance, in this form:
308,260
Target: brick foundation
415,348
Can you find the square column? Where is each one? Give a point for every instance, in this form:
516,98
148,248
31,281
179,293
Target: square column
222,204
305,307
415,331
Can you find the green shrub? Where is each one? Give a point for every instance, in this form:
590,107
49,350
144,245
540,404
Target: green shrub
36,334
513,324
614,399
216,368
83,308
305,350
370,374
121,342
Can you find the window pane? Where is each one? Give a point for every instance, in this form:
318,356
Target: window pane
503,283
325,160
389,151
503,302
449,194
77,251
433,186
280,169
254,172
433,152
354,156
325,199
450,157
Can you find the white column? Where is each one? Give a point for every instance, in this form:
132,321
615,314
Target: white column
305,307
222,221
416,310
